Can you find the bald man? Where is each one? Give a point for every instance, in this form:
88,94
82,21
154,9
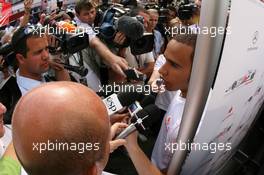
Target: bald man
72,118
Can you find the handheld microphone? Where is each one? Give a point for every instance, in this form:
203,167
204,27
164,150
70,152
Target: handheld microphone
147,100
146,116
81,70
132,74
115,102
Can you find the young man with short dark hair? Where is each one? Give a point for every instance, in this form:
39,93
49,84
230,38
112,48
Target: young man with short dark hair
176,75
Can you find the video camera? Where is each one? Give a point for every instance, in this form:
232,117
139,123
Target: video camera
6,51
186,9
71,40
183,8
116,20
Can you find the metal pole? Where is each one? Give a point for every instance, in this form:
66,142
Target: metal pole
207,55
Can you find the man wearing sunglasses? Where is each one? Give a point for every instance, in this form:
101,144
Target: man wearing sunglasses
30,45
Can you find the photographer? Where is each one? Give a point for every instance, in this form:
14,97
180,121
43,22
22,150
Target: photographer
143,62
85,17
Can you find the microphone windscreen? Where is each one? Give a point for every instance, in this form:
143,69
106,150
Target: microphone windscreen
153,113
131,27
147,100
127,98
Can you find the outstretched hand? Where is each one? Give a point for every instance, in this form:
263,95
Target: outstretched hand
115,129
28,5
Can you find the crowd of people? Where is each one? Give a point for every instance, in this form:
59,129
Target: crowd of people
43,101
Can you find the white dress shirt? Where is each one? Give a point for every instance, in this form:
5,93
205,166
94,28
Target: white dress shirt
25,84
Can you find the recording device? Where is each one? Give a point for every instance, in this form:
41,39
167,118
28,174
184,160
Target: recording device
133,74
107,30
152,5
159,82
147,100
115,102
134,108
131,27
161,7
129,2
142,119
81,70
163,3
186,9
70,39
163,15
137,106
72,43
6,51
142,45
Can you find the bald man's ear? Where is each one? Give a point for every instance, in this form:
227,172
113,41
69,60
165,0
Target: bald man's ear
20,58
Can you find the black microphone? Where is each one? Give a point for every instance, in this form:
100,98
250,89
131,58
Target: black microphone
115,102
81,70
132,74
131,27
147,100
146,116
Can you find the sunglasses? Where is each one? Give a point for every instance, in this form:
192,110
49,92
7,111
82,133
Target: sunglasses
30,30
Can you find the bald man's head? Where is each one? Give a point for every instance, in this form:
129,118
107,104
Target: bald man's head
70,119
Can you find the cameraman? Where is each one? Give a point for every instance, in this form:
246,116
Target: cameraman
30,45
85,17
144,63
31,48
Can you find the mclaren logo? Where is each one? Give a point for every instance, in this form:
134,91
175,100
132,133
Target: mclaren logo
255,38
254,41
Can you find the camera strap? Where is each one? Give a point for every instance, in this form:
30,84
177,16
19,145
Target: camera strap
79,59
137,60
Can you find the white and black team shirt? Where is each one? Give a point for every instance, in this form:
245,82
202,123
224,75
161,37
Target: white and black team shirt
161,157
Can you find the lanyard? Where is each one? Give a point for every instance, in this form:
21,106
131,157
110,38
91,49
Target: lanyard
137,60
